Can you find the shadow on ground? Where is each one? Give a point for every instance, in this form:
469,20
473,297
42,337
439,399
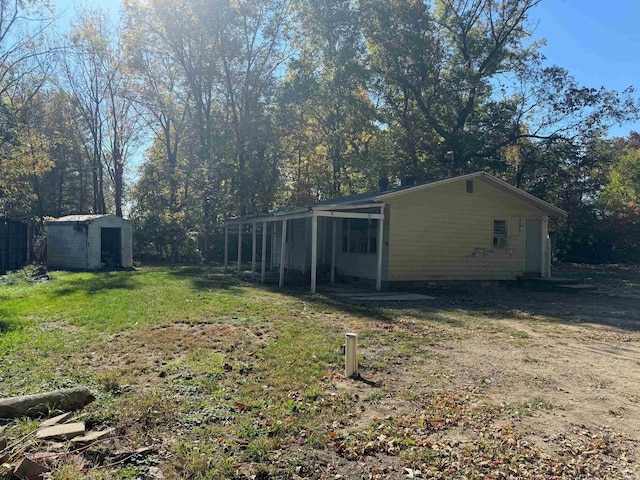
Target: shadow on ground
209,279
96,283
607,306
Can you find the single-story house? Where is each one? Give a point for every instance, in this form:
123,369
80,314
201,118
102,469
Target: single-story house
89,242
470,227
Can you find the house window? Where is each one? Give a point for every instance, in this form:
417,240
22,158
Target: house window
500,233
469,186
359,235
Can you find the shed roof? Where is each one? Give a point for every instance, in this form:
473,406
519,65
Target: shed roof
80,218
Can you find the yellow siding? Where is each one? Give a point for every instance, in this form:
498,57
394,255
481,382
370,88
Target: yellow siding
444,233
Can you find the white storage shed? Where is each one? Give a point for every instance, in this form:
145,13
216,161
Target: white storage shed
89,242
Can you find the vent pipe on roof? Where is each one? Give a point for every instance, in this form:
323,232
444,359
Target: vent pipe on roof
383,184
408,181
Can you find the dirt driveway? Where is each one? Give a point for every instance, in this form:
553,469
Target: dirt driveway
558,372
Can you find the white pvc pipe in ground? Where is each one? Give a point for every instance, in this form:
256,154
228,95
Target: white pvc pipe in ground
351,356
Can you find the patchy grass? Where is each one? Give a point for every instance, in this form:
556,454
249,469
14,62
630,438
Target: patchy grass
226,379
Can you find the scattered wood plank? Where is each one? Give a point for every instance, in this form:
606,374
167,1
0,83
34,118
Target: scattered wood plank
40,404
61,432
3,443
95,436
58,420
29,470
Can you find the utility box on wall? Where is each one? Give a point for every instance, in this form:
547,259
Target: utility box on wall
89,242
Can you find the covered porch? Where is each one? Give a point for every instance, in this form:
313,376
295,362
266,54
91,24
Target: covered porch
311,241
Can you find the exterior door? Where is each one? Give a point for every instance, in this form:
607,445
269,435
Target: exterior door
111,247
533,247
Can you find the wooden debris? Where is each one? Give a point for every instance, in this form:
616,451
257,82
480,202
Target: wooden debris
60,419
3,443
42,403
29,470
4,457
61,432
145,450
95,436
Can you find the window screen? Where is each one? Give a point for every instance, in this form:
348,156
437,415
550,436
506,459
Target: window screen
500,233
359,235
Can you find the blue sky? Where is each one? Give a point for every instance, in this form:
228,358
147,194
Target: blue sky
597,41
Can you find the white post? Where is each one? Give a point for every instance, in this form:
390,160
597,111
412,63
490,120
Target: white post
306,244
380,247
283,248
546,247
263,263
314,252
239,247
273,244
226,245
333,251
254,246
351,356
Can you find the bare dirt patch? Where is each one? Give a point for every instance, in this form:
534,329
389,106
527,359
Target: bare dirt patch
552,378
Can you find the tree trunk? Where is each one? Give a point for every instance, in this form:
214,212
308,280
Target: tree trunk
42,403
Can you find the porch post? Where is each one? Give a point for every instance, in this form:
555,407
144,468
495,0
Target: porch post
283,248
226,245
263,252
306,244
274,235
333,250
380,247
546,248
239,247
314,252
253,249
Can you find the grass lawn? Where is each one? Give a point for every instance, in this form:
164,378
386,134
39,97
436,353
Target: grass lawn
226,379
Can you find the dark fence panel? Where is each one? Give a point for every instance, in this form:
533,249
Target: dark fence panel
13,245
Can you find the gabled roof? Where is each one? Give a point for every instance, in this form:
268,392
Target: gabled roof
80,218
490,179
484,176
366,199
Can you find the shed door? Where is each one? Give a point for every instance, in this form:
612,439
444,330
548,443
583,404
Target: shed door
111,247
533,247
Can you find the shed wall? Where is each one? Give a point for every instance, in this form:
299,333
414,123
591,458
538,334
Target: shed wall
444,233
77,245
95,239
67,246
127,245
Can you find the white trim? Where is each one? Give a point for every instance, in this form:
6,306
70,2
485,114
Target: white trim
226,245
333,250
345,206
240,247
263,253
369,216
314,253
379,246
283,248
254,248
271,218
